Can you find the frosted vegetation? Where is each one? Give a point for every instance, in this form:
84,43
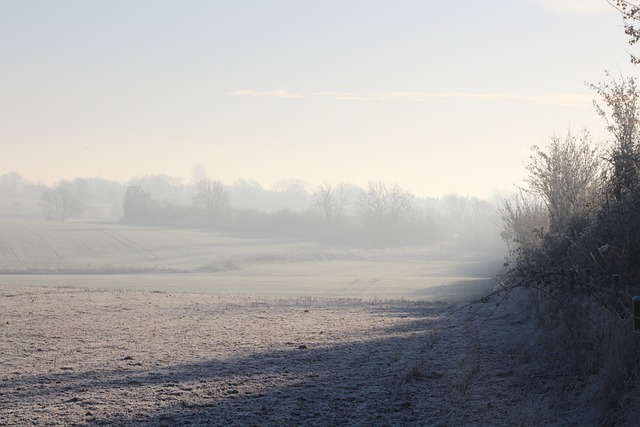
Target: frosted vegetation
574,237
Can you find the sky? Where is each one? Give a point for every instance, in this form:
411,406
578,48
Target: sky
437,96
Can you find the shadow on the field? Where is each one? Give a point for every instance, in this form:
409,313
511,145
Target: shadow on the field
460,291
358,383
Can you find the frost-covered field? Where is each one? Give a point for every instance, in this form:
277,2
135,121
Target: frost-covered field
51,253
109,325
113,357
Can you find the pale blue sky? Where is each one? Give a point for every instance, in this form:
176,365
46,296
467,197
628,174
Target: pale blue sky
435,95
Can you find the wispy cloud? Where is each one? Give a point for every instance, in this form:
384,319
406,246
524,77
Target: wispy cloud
281,93
340,95
559,99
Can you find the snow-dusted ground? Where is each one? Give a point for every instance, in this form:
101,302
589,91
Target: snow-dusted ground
71,356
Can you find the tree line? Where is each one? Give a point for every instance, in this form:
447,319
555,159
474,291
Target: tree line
379,213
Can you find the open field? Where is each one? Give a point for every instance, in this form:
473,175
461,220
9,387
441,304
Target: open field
34,252
109,325
127,358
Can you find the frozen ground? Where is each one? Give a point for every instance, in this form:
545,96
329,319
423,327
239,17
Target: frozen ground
71,356
113,256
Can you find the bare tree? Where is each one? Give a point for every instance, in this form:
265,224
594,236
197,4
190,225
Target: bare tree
212,197
325,202
399,203
384,204
371,204
59,202
331,203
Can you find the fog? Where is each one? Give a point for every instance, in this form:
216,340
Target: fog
242,238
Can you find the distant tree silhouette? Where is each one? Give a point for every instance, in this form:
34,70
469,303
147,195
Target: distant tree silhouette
12,182
59,202
331,202
384,205
138,208
212,197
